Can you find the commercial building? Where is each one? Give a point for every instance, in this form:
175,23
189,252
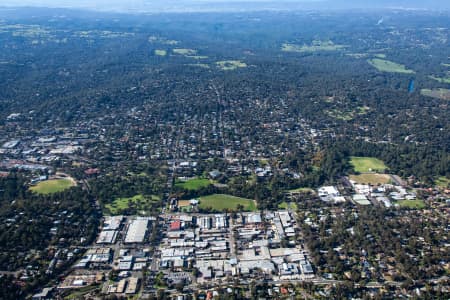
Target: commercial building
107,237
361,199
137,230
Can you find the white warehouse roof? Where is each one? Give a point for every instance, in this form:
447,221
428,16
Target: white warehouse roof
136,231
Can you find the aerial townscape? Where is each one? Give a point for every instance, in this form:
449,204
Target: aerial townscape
225,151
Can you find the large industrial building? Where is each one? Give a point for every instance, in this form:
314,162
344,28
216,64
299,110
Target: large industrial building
137,230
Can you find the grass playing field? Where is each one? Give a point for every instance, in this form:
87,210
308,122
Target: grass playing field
220,202
367,164
389,66
52,186
194,184
415,204
371,178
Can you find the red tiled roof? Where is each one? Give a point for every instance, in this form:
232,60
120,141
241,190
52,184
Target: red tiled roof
92,171
175,225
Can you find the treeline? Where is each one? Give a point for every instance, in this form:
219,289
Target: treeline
33,227
9,289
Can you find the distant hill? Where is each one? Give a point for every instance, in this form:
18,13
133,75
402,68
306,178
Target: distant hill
406,4
138,6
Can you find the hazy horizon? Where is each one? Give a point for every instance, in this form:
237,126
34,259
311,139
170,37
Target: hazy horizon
142,6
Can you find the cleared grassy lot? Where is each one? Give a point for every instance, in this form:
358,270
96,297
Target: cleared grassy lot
160,52
194,184
162,40
184,51
79,293
443,94
440,79
316,45
349,114
357,55
371,178
367,164
220,202
197,56
229,65
389,66
303,190
203,66
442,182
287,205
183,203
184,206
52,186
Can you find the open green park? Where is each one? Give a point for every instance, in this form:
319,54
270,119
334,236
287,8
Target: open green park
367,164
220,202
194,184
121,204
